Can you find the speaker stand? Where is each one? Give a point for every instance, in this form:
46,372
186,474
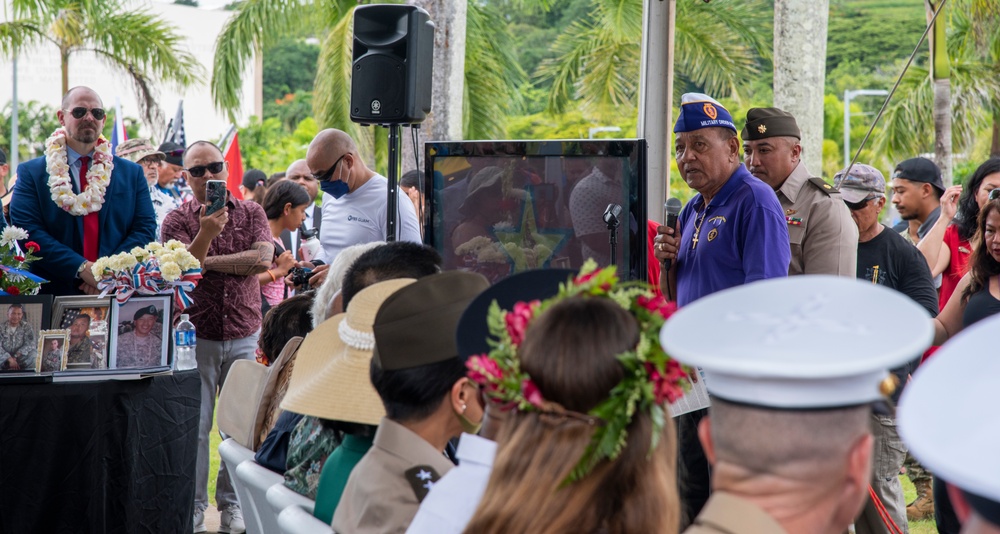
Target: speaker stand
391,201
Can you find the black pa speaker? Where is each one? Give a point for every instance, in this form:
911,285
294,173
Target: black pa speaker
392,64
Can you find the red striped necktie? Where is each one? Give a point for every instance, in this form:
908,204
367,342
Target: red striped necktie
91,222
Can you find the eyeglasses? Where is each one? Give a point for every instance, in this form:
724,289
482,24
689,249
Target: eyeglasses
199,171
81,112
994,194
150,160
856,206
325,175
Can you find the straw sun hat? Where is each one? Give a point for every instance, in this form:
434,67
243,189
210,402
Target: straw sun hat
330,379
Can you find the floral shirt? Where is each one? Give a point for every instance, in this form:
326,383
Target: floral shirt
18,342
163,203
308,448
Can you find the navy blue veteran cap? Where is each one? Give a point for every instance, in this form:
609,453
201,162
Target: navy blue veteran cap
799,343
538,284
702,111
947,415
146,310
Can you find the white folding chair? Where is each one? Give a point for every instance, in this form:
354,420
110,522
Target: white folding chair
234,454
258,479
295,520
281,496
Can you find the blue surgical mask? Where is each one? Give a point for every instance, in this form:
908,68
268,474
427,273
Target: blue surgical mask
336,188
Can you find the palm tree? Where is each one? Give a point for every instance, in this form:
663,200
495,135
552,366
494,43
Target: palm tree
973,58
718,47
492,74
142,46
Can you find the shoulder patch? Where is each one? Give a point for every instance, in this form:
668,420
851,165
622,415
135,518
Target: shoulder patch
421,479
823,186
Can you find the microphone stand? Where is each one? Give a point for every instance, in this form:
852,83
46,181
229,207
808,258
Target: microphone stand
612,220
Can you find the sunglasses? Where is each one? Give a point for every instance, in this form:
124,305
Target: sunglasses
199,171
857,206
323,176
79,113
994,194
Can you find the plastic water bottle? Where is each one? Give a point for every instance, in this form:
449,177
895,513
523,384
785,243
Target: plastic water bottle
309,245
185,344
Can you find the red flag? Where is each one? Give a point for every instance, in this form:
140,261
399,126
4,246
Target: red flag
232,156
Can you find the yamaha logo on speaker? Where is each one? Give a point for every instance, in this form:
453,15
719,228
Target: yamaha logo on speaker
376,107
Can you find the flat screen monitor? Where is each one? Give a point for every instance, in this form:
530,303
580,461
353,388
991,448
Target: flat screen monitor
502,207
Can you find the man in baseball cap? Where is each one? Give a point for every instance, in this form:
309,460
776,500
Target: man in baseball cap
822,237
171,178
916,193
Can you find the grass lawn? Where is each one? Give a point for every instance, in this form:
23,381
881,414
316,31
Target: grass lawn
926,526
214,439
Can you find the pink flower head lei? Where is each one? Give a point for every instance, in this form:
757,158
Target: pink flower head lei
652,378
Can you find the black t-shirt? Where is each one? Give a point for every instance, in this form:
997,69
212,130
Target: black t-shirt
889,260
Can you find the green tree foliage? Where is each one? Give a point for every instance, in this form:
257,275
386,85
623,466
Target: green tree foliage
36,122
289,67
866,30
269,147
139,45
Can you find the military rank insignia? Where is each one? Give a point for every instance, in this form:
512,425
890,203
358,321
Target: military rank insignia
421,479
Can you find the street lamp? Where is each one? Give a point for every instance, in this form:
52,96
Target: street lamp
848,95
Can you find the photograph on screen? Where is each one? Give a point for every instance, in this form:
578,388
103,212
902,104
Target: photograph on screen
499,208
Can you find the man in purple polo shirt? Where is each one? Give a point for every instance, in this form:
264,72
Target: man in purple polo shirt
233,245
731,233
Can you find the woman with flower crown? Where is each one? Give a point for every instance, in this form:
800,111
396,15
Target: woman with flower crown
584,447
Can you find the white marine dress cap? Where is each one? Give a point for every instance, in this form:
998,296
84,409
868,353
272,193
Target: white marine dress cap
804,342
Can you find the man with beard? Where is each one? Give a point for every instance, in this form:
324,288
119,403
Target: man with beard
59,199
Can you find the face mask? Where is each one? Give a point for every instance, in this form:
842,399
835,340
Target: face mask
468,426
336,188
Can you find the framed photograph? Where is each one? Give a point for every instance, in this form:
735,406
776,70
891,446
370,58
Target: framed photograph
86,319
53,346
140,332
24,316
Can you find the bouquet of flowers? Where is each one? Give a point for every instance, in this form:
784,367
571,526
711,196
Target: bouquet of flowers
155,269
14,276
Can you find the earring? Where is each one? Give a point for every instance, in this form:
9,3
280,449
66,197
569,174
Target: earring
463,408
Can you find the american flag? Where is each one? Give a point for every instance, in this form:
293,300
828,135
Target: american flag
175,130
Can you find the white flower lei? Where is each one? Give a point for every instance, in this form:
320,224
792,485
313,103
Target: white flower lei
60,183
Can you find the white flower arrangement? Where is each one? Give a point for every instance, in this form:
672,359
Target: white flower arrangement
153,269
61,185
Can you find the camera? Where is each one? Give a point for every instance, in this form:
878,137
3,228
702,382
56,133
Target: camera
300,277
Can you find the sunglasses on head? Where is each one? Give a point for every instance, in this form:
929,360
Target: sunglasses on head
199,171
323,176
81,112
994,194
855,206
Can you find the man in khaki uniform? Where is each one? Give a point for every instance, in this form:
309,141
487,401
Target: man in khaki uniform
788,433
428,400
821,234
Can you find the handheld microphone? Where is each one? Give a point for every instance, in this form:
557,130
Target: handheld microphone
671,209
612,215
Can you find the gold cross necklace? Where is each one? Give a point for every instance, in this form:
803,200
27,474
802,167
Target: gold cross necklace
697,227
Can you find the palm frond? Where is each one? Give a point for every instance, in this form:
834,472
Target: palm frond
492,74
20,34
257,25
571,51
620,19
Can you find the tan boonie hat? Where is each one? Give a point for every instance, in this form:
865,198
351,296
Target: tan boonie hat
136,149
331,375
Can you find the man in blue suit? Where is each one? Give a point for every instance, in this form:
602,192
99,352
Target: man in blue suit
78,202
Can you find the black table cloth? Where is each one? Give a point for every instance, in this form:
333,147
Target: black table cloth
101,457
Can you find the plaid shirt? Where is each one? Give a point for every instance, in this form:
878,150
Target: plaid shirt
226,306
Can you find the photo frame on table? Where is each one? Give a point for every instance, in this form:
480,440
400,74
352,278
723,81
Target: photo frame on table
22,317
86,319
139,336
53,346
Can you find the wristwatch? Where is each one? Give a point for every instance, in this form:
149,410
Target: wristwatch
80,270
